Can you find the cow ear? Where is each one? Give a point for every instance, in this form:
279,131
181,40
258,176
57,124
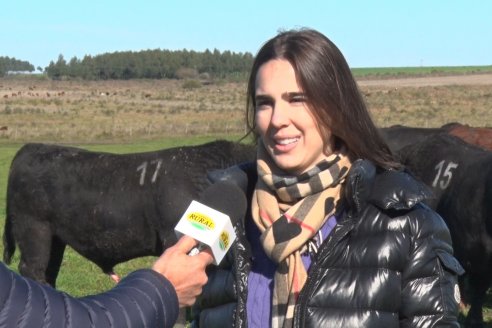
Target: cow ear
232,174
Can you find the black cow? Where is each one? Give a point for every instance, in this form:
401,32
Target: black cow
110,208
460,175
399,136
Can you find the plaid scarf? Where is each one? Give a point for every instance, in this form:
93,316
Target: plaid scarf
289,211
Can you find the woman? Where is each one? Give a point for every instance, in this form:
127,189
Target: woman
336,235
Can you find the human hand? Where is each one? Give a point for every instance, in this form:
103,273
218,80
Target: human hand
186,273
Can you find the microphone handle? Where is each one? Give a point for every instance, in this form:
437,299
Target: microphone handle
197,249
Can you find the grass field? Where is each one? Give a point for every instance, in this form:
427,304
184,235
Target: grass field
135,116
391,72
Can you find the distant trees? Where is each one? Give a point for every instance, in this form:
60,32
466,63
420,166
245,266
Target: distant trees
147,64
8,64
153,64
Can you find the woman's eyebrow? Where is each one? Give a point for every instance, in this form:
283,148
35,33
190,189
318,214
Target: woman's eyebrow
290,95
262,98
285,96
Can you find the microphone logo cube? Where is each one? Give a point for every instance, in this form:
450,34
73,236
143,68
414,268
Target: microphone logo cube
224,240
200,221
208,226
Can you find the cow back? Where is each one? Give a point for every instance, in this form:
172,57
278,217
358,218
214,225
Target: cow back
399,136
480,136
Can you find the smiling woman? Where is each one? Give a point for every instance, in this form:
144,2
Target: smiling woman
284,120
330,209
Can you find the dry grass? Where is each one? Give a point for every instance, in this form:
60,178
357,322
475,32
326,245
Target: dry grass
117,111
431,106
68,111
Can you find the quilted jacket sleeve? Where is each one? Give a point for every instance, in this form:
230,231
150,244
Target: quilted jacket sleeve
430,275
142,299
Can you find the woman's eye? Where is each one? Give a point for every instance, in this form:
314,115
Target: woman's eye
262,104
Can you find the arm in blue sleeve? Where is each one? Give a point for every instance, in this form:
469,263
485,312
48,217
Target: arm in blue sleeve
143,299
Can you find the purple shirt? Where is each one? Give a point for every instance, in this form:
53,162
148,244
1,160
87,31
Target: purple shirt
260,280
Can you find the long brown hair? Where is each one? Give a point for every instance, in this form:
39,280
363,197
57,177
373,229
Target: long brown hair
331,90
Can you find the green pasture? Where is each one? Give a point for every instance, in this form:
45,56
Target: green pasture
418,71
80,277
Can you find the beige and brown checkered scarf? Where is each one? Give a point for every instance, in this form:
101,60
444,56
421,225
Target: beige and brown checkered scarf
289,211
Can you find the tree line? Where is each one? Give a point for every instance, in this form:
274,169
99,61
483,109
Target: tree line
8,64
153,64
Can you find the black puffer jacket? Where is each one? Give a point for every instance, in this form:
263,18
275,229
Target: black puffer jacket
142,299
387,263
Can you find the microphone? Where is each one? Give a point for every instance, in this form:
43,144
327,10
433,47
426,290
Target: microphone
211,220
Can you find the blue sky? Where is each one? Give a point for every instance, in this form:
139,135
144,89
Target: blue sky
378,33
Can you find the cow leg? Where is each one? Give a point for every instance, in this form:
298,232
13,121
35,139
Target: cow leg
464,290
182,320
478,285
116,278
55,261
35,248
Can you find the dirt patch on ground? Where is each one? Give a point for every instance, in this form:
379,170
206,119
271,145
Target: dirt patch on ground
475,79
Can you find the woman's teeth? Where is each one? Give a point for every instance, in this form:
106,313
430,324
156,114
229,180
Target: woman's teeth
287,141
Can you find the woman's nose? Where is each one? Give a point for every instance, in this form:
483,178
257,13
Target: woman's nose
280,115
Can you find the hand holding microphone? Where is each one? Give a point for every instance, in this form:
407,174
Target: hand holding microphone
211,220
186,274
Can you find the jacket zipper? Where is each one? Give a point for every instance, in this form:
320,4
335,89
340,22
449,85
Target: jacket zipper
299,313
315,269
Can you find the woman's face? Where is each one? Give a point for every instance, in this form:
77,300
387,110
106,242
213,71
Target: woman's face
284,122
